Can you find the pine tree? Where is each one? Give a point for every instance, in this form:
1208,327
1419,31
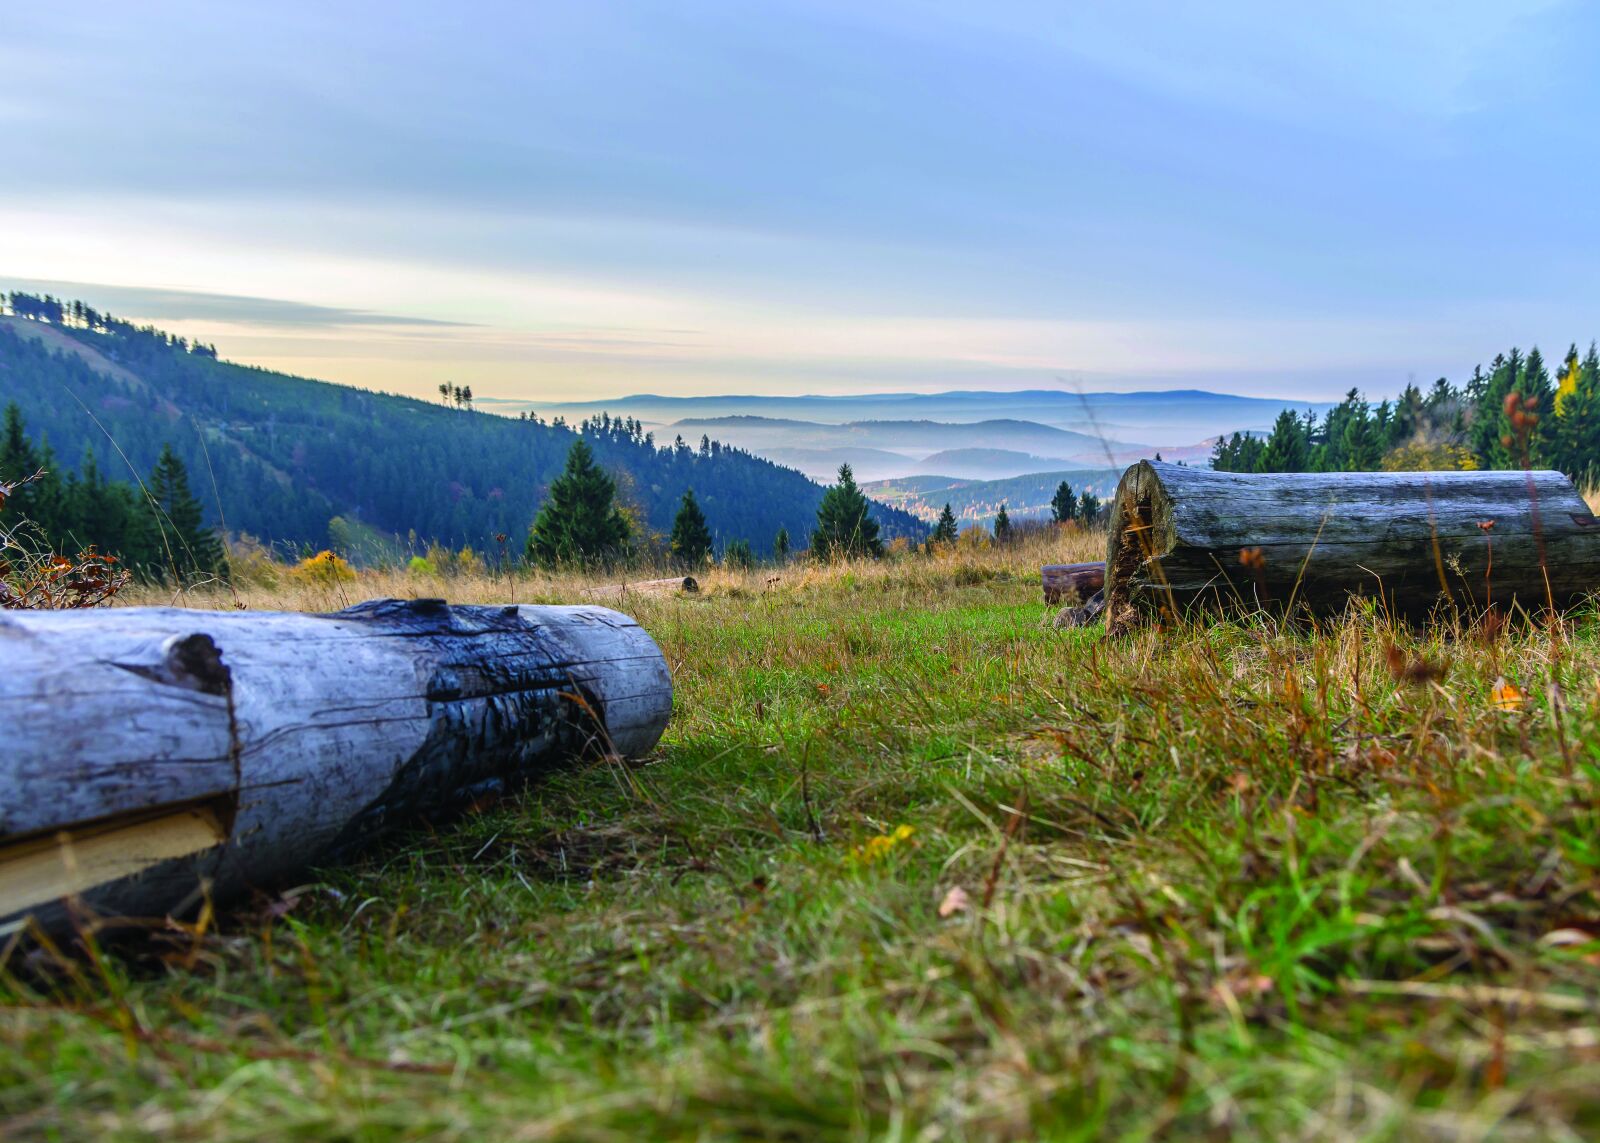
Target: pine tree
579,522
195,549
1002,526
18,461
1062,505
1489,425
691,538
1363,441
1288,449
944,532
780,544
1577,438
843,526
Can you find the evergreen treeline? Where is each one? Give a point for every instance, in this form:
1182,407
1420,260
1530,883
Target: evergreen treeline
1514,415
283,456
155,528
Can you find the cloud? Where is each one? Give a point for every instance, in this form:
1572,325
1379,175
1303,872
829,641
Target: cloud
148,303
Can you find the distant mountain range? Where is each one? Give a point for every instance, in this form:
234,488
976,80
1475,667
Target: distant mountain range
962,434
1164,418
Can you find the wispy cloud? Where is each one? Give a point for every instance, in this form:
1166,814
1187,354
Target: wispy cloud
822,191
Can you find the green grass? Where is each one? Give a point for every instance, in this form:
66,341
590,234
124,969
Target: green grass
1222,881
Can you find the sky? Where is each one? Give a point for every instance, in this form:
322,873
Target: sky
551,200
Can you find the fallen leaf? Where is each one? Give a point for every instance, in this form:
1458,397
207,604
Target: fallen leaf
955,901
1506,695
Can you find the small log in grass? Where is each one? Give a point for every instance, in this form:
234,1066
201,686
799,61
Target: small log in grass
1185,537
150,756
1063,580
672,586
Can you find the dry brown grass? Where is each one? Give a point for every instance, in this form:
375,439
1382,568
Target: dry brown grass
264,585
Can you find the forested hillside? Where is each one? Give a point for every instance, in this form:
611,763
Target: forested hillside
277,457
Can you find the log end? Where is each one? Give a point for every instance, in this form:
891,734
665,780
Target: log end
1140,533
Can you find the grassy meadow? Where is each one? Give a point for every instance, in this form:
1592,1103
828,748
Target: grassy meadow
910,863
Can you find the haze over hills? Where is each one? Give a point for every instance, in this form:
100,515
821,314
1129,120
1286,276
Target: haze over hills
968,434
1157,418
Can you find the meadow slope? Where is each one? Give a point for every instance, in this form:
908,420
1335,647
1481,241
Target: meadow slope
910,863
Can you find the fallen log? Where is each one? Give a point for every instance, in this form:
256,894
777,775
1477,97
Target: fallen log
1061,580
687,584
153,755
1184,537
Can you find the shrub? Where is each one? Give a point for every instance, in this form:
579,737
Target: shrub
324,570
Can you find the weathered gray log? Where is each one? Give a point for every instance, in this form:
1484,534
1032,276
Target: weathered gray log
1062,580
686,583
1181,537
151,755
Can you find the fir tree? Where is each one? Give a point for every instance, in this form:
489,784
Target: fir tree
195,549
944,532
1002,526
1288,449
1577,437
1088,506
579,522
691,538
738,555
1362,440
18,461
780,544
843,526
1063,506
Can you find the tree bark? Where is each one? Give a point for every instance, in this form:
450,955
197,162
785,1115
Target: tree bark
1061,580
1184,537
153,754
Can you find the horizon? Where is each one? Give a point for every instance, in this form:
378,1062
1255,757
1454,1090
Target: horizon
807,199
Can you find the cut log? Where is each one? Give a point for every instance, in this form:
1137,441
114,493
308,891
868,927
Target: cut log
687,584
152,755
1062,580
1182,537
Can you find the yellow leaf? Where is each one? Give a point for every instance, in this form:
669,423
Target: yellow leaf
878,847
1506,696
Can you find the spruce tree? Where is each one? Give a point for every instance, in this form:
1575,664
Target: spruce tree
1490,426
1288,449
691,538
1577,438
1063,506
843,526
18,461
944,532
195,549
1002,526
1088,506
1363,441
780,544
579,522
738,555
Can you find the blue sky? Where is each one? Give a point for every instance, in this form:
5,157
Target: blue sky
554,200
